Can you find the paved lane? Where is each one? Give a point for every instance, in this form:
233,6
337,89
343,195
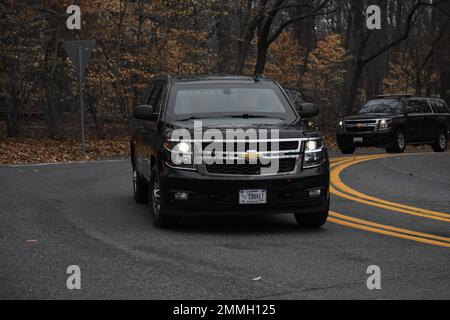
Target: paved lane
83,214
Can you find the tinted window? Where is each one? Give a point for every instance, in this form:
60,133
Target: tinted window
155,96
295,96
222,100
419,106
387,106
439,106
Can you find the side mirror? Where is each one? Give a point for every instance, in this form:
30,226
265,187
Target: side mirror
145,112
307,110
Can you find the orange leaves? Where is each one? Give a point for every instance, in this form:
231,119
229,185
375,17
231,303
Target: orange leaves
284,60
17,151
325,74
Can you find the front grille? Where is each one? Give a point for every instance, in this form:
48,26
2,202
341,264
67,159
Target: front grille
360,129
282,146
353,122
361,126
285,166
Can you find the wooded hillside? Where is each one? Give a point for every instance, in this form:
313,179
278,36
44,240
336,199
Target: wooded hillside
321,47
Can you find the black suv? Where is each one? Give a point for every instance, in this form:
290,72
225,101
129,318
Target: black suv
394,121
282,169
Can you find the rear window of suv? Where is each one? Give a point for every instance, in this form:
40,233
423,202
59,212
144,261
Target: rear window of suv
439,106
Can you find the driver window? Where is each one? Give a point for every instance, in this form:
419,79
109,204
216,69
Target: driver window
154,98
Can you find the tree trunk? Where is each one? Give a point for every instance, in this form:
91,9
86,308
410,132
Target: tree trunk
445,56
261,58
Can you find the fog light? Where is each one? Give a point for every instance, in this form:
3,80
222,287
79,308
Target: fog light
181,196
314,193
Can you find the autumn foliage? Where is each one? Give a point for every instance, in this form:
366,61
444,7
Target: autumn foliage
309,45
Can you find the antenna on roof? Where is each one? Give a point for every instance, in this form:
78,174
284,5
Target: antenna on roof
258,77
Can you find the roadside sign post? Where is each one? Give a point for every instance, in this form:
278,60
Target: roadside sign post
79,52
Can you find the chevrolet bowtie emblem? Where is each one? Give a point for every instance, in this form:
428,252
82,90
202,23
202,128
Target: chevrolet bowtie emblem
251,155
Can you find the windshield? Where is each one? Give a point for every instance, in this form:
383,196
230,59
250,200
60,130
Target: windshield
228,100
387,106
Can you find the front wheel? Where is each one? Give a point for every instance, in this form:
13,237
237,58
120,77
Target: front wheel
140,188
441,142
399,143
311,220
158,205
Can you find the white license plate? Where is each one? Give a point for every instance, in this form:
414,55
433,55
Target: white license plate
252,197
358,140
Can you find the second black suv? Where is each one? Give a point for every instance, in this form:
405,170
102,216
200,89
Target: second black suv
184,117
394,121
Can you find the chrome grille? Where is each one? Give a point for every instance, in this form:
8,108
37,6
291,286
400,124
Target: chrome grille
360,126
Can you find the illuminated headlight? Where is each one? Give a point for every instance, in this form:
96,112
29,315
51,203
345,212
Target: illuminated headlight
315,154
384,124
180,155
182,147
341,123
311,145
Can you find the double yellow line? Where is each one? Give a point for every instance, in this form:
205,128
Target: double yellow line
340,189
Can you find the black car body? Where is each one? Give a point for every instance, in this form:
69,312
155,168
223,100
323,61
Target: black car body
393,121
300,185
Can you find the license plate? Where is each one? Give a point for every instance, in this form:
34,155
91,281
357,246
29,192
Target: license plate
358,140
252,197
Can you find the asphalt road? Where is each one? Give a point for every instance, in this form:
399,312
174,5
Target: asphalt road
83,214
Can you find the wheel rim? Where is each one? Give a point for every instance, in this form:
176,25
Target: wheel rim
134,181
156,198
442,140
401,140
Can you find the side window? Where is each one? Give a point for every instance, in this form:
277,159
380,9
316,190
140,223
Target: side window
156,96
145,96
419,106
439,106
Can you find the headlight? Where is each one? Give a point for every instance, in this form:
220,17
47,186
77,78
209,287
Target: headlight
315,154
181,156
341,123
384,124
182,147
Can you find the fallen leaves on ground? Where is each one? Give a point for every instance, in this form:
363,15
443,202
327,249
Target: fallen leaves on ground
45,150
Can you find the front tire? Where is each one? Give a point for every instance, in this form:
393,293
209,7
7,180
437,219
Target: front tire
158,205
441,142
140,188
399,143
311,220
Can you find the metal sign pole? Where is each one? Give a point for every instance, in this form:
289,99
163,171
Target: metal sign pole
79,52
80,84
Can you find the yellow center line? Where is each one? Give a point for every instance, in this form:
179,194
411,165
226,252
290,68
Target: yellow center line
342,190
388,233
373,227
389,228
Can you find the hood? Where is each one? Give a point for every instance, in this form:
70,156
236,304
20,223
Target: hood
369,116
286,130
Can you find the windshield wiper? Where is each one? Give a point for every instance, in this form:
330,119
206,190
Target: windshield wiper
251,116
193,118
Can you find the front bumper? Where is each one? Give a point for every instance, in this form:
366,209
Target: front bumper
220,195
373,139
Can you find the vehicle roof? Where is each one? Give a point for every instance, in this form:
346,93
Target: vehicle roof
201,79
405,96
